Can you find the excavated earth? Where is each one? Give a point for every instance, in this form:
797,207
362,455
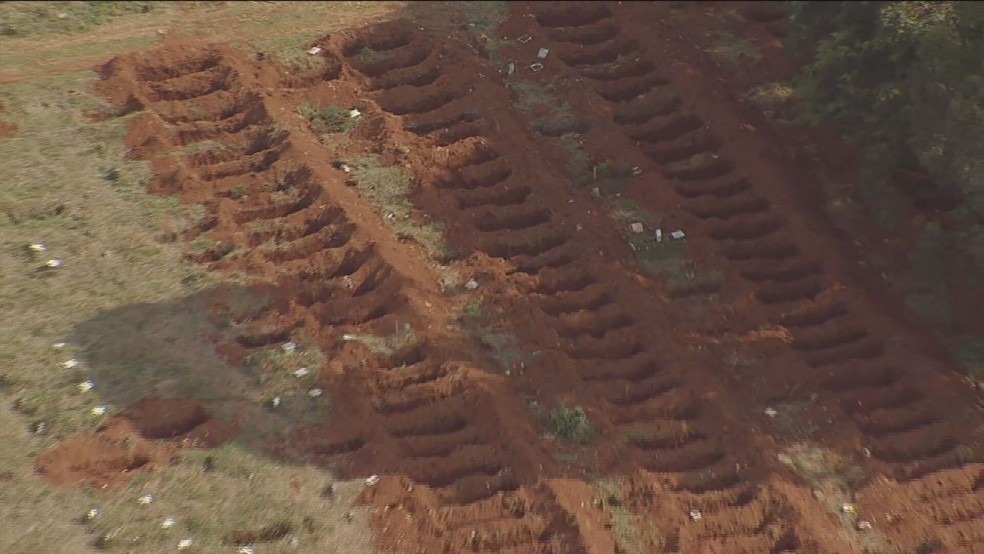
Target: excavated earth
464,467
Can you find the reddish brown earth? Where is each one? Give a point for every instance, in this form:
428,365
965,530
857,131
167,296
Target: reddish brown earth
7,129
144,438
463,466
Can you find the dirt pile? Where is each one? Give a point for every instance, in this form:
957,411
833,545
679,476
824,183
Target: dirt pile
143,438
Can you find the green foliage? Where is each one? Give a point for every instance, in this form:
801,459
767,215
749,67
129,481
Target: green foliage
569,425
903,79
331,119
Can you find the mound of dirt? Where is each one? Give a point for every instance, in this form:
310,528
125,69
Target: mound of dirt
132,443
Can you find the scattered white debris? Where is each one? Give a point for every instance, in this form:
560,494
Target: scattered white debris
355,113
471,284
91,514
771,412
63,15
301,372
372,480
314,51
69,364
185,544
636,171
510,68
864,525
847,508
542,54
53,263
38,247
85,386
536,67
596,191
276,401
580,227
58,345
637,227
658,235
145,499
99,410
391,216
346,168
289,347
40,428
314,393
524,39
349,336
695,515
866,452
678,234
245,550
167,523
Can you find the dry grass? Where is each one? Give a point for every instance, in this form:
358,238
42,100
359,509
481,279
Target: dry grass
632,533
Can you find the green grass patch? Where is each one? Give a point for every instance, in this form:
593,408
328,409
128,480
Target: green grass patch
35,19
330,119
568,425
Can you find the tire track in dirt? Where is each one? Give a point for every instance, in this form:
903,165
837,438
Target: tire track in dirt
591,319
428,413
902,405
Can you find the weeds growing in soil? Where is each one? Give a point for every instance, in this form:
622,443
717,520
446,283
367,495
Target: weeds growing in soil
568,425
388,188
633,536
330,119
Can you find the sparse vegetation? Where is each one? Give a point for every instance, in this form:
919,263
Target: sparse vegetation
389,344
330,119
225,497
388,188
568,425
633,534
35,19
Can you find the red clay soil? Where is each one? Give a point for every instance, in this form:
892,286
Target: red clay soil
144,438
463,465
7,129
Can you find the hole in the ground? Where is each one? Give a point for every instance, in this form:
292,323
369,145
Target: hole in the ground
764,249
529,246
667,127
505,196
517,221
828,338
854,378
783,272
627,89
690,144
586,35
863,350
795,291
574,15
746,228
700,166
